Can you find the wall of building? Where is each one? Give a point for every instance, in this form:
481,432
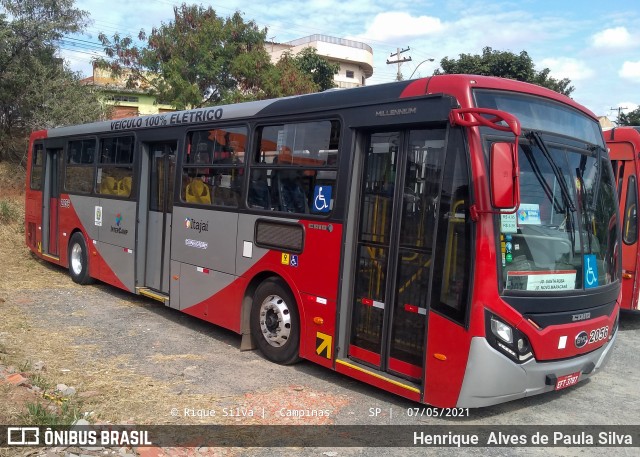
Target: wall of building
125,102
352,56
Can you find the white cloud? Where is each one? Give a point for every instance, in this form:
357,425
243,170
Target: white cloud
613,38
630,71
395,26
627,106
567,67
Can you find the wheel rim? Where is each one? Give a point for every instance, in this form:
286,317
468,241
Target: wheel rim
76,259
275,320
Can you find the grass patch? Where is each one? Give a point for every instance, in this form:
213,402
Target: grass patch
40,381
54,413
9,213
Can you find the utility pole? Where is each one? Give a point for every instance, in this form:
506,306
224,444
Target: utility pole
399,61
619,110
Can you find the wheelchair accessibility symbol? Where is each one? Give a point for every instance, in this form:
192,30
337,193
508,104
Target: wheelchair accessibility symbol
322,199
590,271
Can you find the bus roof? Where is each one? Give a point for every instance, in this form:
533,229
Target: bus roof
458,86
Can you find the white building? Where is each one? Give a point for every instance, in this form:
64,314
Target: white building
355,58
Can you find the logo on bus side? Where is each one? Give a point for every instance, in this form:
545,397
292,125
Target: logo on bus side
117,229
581,339
200,226
396,112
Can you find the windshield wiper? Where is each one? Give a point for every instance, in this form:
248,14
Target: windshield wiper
566,195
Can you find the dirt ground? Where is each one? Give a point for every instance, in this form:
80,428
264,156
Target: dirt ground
132,360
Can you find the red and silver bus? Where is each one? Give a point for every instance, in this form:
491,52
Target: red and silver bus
452,239
624,150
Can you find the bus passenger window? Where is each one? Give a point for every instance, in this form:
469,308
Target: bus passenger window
294,168
115,172
37,161
213,167
79,166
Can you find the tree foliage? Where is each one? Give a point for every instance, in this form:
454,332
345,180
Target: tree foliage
630,118
320,69
504,64
201,59
36,89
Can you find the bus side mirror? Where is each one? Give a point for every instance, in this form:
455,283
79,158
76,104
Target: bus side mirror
505,193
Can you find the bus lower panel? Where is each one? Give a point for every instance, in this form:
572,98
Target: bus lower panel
492,378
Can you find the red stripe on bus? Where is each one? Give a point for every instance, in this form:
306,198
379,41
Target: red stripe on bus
406,368
364,355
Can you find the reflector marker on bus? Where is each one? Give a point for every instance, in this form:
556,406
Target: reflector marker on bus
562,342
372,302
203,270
127,250
415,309
322,301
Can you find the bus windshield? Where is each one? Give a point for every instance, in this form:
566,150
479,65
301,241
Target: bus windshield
564,234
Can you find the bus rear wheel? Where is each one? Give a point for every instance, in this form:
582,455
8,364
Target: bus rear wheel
78,259
275,323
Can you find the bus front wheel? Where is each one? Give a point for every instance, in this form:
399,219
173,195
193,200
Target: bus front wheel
78,259
275,323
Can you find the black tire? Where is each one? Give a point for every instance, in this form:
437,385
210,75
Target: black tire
275,322
79,259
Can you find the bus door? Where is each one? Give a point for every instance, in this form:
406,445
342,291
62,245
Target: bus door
161,183
50,201
622,159
395,241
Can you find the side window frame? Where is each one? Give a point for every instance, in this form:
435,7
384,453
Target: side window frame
456,161
115,177
292,179
88,181
630,224
37,166
218,161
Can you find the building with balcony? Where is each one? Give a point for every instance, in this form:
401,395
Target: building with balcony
355,58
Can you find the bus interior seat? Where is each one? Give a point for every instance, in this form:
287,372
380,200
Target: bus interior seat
203,153
291,194
124,186
198,192
109,186
224,196
259,195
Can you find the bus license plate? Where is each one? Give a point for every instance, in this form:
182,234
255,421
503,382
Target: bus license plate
567,381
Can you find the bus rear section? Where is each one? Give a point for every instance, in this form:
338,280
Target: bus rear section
624,148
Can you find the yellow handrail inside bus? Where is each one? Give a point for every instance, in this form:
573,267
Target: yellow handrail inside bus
452,247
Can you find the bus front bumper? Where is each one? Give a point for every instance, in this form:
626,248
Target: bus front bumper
492,378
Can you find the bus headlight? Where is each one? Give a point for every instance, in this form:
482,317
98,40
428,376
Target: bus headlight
507,340
501,330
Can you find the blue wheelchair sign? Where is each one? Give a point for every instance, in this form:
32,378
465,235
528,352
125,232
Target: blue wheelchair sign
322,199
590,271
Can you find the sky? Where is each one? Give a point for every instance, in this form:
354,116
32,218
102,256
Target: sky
596,44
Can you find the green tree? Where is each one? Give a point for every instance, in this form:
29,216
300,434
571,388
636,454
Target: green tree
320,69
37,90
504,64
285,78
201,59
630,118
